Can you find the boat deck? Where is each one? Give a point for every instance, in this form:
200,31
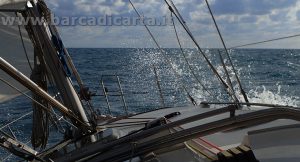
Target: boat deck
267,139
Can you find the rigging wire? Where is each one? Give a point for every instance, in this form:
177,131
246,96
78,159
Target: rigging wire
72,66
40,44
163,53
12,122
23,45
226,51
11,132
57,97
77,77
37,115
54,118
185,58
265,41
72,114
55,92
9,84
40,118
186,28
228,77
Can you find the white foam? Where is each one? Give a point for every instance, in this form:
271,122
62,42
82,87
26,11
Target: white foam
178,70
260,94
263,95
293,64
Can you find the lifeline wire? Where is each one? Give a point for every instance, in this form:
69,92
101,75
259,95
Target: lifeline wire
4,81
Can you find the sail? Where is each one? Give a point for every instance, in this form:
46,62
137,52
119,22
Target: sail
12,2
12,50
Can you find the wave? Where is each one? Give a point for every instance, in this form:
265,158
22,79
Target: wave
263,95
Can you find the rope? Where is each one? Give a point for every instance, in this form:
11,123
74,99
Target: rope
57,97
23,45
185,58
38,44
177,75
228,78
74,116
226,51
47,15
40,127
182,22
159,87
237,78
55,120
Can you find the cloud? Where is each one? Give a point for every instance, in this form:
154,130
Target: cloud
248,19
298,15
87,7
253,7
240,21
278,16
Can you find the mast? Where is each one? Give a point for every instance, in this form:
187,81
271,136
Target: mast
51,54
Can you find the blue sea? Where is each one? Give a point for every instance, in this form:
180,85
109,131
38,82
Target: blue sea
267,76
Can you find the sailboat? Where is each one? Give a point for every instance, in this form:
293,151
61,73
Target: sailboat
236,131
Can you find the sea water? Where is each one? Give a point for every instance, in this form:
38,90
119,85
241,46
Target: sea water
267,76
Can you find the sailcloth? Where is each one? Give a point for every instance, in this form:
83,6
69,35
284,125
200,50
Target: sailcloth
11,49
10,2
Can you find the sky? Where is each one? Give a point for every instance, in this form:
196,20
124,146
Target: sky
240,22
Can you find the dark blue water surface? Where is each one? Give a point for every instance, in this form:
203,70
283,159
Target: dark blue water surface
267,75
